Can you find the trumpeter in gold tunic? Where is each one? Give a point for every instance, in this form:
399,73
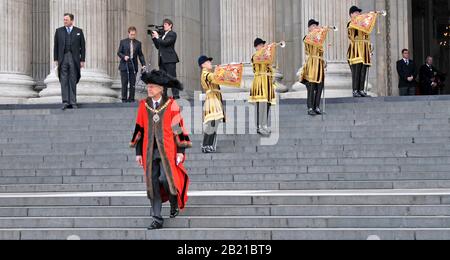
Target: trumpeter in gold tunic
313,74
314,68
263,89
360,47
213,112
359,55
213,109
262,93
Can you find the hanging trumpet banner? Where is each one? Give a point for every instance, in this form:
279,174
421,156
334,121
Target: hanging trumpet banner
317,37
229,75
266,55
364,22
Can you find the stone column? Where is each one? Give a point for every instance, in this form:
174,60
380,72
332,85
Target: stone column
330,13
41,42
242,22
16,83
95,84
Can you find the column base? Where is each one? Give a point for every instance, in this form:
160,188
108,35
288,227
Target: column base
16,88
94,87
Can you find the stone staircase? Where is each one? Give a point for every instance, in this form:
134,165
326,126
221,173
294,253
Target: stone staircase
372,167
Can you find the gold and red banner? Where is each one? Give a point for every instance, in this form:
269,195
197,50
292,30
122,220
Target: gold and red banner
364,22
229,75
317,37
266,55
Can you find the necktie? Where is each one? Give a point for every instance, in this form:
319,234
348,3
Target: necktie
69,30
156,105
131,49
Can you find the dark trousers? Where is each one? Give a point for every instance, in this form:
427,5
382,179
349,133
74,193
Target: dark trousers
262,114
210,137
68,80
429,91
359,74
171,69
128,77
159,179
407,91
314,94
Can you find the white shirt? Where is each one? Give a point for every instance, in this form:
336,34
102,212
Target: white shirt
406,61
164,37
71,28
156,101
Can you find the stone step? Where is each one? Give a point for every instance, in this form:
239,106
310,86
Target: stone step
339,159
192,222
198,185
227,234
355,197
232,211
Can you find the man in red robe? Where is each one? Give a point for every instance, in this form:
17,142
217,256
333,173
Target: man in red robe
160,141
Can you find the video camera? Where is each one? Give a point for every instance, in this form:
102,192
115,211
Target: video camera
158,28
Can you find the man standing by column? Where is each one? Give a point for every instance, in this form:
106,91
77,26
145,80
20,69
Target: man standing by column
168,57
69,56
129,51
406,75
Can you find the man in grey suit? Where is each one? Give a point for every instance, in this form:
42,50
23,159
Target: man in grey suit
69,56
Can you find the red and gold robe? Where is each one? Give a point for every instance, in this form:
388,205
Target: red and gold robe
171,138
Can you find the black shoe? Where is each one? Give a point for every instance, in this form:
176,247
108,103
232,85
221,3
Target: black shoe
132,101
65,107
311,112
318,111
207,149
174,212
356,94
263,132
363,94
155,226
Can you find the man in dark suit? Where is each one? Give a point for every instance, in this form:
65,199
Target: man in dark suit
69,56
406,75
130,50
427,75
168,57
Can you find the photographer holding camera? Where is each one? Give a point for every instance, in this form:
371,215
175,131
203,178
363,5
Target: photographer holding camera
165,42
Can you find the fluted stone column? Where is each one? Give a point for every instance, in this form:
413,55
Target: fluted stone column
16,83
95,84
331,13
241,23
41,42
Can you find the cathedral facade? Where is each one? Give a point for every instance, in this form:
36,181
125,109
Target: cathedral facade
223,29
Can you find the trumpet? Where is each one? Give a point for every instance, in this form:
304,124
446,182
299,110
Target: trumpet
282,44
382,13
332,28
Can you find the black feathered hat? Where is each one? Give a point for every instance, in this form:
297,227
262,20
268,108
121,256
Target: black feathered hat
161,78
